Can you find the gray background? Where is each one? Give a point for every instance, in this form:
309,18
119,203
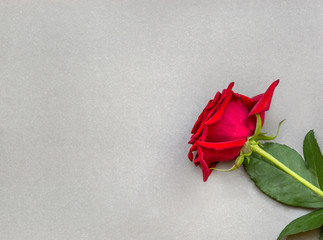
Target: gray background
98,99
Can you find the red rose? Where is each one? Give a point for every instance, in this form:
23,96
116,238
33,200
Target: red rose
224,126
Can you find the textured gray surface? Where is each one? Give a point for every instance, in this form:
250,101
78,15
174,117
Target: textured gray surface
98,99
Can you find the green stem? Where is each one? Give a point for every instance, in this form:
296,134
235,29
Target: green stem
257,149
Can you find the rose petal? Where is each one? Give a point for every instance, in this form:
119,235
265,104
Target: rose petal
203,116
220,111
205,168
249,103
264,100
226,91
232,125
209,157
190,153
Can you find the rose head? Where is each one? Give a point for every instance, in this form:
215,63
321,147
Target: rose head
224,126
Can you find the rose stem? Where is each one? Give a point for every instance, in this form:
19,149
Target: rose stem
257,149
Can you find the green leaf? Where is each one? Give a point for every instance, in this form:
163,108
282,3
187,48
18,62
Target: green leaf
279,185
305,223
313,158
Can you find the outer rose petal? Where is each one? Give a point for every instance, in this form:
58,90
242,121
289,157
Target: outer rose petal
201,118
190,153
209,107
264,100
210,154
226,96
205,115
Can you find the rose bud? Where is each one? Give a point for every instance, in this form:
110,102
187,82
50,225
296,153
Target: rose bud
224,126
